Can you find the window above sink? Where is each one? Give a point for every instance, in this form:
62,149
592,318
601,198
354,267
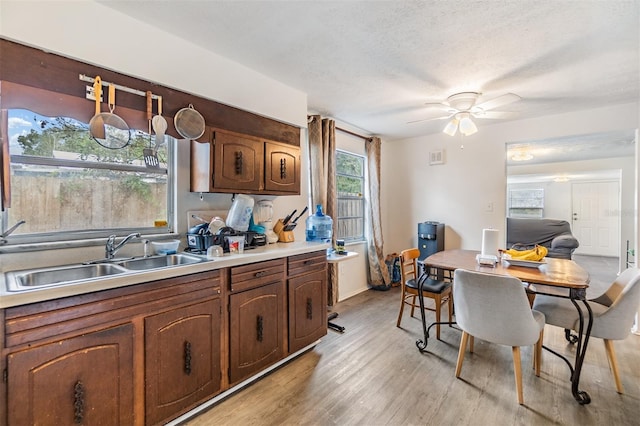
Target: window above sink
68,187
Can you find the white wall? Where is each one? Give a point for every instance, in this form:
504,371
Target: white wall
458,192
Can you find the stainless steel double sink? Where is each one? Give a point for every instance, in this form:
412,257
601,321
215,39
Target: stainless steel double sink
63,275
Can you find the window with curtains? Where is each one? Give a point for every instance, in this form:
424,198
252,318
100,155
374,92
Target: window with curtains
350,181
67,186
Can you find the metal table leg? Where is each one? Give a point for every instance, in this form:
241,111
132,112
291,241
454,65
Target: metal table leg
422,343
582,340
333,325
581,349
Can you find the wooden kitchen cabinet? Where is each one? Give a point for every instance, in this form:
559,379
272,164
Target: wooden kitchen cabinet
182,359
257,318
149,352
85,380
307,299
282,167
236,163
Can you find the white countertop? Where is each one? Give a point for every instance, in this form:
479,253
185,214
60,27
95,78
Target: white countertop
268,252
335,258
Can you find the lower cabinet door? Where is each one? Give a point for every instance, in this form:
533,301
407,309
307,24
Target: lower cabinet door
256,330
307,309
182,359
86,380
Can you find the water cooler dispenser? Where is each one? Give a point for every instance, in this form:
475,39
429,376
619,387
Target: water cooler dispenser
430,238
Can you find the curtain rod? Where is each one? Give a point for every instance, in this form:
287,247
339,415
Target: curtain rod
368,139
353,134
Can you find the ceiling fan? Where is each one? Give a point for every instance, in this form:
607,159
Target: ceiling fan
460,107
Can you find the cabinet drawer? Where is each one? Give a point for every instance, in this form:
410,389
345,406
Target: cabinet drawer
306,263
257,274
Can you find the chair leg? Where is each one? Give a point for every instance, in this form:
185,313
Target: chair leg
402,302
450,309
438,301
461,351
471,340
517,371
413,305
613,362
537,354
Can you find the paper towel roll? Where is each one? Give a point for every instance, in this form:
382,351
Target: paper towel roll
490,242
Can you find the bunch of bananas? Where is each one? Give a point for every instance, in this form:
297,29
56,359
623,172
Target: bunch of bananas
536,254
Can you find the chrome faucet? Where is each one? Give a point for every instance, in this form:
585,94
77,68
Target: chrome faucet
10,231
111,249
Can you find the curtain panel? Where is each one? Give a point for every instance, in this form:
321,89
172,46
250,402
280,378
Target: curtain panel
378,273
322,162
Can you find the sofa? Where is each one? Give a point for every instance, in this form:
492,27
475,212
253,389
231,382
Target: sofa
554,234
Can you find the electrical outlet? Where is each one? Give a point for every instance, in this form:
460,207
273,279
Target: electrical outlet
488,207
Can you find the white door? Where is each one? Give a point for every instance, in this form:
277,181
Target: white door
596,217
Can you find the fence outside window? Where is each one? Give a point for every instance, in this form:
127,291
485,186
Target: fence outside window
350,181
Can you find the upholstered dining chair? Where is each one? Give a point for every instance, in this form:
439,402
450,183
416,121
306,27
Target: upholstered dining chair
495,308
439,291
613,314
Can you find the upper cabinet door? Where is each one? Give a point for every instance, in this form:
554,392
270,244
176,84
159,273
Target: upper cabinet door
237,162
282,168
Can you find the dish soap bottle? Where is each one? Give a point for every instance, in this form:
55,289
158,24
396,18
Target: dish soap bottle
319,226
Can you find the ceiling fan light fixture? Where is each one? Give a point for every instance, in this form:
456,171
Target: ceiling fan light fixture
467,126
451,127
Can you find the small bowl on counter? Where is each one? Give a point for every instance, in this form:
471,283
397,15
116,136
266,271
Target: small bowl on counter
165,247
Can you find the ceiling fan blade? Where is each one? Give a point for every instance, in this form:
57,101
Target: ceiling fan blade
497,102
494,114
431,119
441,106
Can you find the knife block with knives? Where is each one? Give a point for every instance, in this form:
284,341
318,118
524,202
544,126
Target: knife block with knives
284,227
283,236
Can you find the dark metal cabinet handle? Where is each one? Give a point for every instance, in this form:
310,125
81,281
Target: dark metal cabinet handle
260,328
238,162
78,402
187,357
260,274
283,168
309,308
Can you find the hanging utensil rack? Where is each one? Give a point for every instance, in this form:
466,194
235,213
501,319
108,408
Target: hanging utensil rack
91,95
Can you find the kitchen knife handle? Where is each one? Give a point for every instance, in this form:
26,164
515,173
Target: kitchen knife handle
300,215
288,218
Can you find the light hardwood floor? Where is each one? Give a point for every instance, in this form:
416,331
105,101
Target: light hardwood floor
374,375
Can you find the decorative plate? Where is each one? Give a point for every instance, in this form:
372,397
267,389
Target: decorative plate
525,263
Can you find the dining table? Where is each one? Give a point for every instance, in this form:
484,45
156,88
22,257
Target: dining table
550,276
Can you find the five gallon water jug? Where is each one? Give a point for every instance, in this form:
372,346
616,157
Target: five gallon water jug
319,226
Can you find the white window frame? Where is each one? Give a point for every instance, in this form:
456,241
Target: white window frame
360,197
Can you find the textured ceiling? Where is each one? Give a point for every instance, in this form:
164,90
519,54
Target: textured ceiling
374,64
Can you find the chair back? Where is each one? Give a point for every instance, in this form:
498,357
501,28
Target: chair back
494,308
614,322
408,267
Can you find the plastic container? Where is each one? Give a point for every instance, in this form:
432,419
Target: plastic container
240,213
319,226
165,247
236,244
